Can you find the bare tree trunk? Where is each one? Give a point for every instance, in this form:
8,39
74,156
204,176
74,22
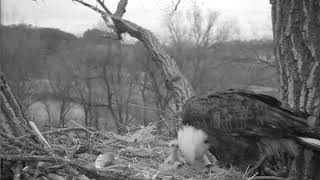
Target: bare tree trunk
96,118
86,115
143,89
296,32
46,104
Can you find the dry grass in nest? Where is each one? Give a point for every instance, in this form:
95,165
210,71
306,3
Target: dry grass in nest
138,154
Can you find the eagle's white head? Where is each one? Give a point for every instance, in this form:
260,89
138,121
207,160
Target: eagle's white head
192,143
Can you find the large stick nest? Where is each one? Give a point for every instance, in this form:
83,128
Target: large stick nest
137,154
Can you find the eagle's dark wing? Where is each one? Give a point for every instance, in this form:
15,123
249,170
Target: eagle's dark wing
237,122
244,114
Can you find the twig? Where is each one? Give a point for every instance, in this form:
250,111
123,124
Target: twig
253,176
176,6
258,164
104,7
86,129
93,7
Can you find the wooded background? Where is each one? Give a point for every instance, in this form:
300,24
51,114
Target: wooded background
107,84
98,82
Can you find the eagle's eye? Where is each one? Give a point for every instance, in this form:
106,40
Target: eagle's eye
206,141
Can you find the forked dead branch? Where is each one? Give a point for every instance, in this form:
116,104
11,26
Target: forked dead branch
175,80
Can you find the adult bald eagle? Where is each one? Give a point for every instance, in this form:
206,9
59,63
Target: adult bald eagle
238,126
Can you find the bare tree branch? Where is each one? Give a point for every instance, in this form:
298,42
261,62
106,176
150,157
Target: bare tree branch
121,9
93,8
103,6
175,81
176,6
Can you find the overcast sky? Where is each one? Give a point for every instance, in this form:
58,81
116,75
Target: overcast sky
252,16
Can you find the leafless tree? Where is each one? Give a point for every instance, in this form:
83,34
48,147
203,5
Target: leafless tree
197,31
119,88
61,91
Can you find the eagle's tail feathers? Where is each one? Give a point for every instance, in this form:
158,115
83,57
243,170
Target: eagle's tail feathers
314,143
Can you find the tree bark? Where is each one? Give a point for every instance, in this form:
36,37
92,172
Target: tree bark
11,117
296,33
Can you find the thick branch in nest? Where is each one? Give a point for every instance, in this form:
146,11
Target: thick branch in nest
11,109
13,122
